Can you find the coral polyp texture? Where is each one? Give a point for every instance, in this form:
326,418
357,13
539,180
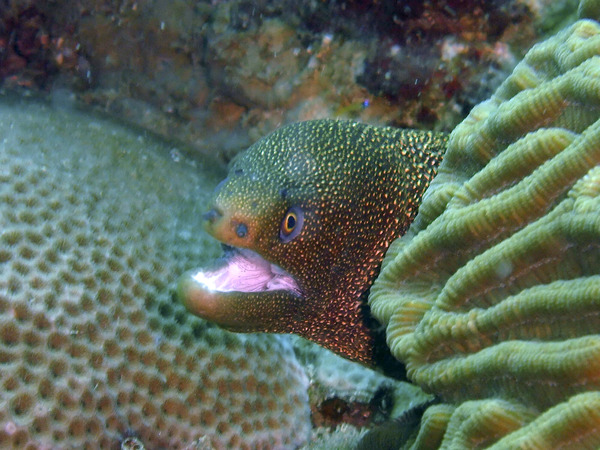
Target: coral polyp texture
95,224
492,299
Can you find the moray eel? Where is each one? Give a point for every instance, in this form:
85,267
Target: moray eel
306,215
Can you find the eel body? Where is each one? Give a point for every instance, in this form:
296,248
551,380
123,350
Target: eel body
306,215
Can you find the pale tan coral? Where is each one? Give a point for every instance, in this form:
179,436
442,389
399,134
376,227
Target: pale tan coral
492,299
95,225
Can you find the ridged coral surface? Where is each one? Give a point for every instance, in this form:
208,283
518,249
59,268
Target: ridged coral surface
95,224
492,299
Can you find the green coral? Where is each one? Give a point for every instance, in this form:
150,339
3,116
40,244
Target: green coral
492,297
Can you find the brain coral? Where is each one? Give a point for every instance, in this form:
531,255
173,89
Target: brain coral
492,299
95,223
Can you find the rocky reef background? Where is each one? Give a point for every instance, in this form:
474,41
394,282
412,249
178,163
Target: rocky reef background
211,77
218,75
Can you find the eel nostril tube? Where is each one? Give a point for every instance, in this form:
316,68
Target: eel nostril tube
212,215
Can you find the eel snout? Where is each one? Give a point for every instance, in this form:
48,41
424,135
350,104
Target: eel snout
231,294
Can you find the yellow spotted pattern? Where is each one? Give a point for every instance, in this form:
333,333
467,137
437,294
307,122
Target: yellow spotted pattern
358,188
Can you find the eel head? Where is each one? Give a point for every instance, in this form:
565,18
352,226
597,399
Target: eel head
305,216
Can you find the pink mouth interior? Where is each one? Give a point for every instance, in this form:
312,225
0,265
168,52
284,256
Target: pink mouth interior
246,271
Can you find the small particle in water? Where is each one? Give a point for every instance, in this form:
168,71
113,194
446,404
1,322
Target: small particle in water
175,155
132,443
10,428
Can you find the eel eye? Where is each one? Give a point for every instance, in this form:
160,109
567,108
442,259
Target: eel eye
291,225
241,230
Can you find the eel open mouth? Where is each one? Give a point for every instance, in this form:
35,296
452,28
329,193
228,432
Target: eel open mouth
245,271
235,294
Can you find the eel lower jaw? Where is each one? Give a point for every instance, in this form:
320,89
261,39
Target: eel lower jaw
242,294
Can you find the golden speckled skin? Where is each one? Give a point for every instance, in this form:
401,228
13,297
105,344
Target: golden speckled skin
359,188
